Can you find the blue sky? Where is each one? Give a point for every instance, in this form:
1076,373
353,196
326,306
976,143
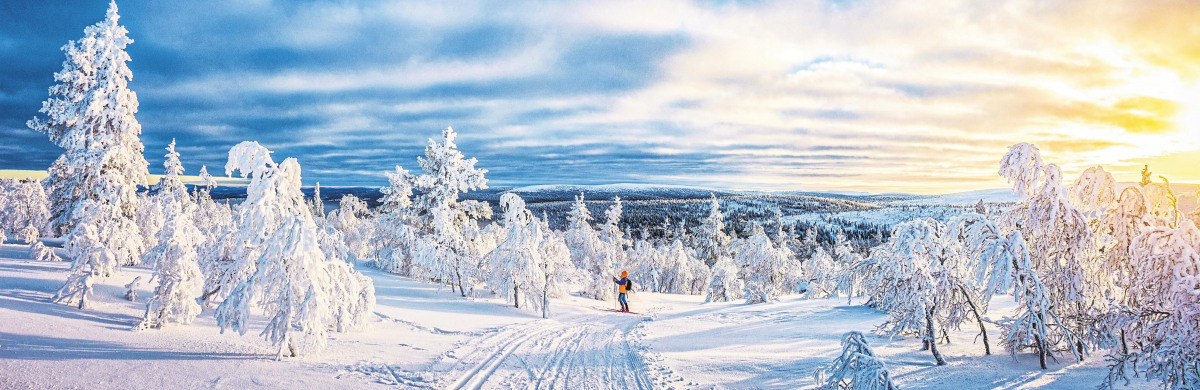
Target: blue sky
861,95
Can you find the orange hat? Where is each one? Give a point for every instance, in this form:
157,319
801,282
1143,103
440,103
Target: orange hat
624,274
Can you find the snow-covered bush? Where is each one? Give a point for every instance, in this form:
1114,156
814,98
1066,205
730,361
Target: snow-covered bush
766,271
92,259
279,267
90,114
855,368
40,252
29,234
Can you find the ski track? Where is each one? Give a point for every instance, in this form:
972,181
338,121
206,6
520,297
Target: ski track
575,352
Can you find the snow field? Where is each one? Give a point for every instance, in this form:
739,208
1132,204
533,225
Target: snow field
423,336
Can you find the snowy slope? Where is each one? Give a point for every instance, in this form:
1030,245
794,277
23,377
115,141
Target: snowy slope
426,337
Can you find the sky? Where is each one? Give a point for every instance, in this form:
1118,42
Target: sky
877,96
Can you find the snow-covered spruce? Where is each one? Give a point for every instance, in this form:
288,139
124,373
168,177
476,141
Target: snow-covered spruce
711,241
446,250
855,368
90,114
356,223
175,257
286,276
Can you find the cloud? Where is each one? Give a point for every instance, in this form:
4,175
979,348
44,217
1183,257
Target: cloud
877,96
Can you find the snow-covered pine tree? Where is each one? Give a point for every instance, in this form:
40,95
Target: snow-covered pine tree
175,257
856,368
90,114
611,230
711,241
279,267
767,271
578,215
445,251
394,229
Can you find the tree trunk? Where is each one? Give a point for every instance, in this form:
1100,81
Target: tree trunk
458,275
987,349
1041,350
1124,346
930,341
516,302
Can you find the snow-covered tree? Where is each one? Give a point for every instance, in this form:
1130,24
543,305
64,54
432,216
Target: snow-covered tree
515,263
177,270
597,259
611,230
1159,322
29,234
394,229
725,284
90,114
445,250
913,284
317,204
820,274
354,220
175,256
684,272
767,272
711,241
1059,238
279,267
23,204
92,259
855,368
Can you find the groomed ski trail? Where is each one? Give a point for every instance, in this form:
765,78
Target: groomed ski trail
576,352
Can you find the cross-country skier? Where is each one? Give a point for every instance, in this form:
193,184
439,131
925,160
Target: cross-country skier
622,285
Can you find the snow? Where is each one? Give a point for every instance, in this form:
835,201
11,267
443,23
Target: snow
425,336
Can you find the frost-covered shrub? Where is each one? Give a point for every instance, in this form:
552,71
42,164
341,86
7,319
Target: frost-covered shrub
23,204
856,368
40,252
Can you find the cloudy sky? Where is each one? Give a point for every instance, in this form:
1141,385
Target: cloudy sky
817,95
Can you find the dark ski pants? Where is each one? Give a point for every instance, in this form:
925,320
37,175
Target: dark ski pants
624,303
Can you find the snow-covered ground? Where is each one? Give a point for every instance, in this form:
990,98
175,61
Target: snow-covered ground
426,337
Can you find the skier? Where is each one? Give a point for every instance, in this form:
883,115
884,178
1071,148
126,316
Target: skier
622,284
